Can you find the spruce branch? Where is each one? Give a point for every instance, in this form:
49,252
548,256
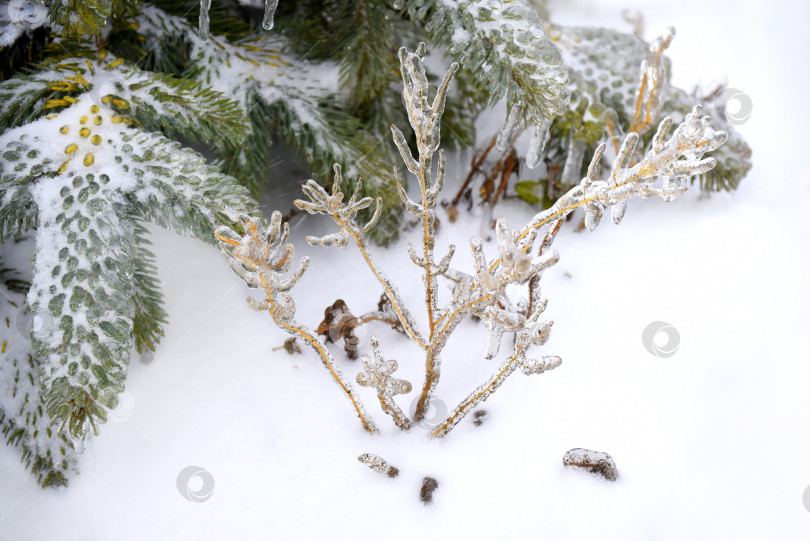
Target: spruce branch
506,42
617,79
89,175
286,95
81,17
177,105
362,42
147,323
23,420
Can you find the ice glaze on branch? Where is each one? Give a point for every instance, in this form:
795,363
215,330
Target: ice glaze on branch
321,202
425,119
672,161
262,259
378,374
663,171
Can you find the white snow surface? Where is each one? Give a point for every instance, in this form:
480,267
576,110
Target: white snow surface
711,443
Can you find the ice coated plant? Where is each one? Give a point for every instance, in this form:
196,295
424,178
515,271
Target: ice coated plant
263,257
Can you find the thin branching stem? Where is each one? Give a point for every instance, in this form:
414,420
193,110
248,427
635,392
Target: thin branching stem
663,171
327,360
391,292
474,398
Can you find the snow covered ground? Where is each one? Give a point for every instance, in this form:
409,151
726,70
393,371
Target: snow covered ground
710,443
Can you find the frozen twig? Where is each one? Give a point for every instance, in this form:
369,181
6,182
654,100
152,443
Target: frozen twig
653,78
595,462
321,202
377,464
378,374
263,259
486,292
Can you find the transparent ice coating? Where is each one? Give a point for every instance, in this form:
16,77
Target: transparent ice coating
573,161
378,464
537,144
269,12
509,130
263,258
664,170
205,5
595,462
378,373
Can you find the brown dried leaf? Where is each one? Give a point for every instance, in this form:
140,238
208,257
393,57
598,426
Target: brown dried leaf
290,346
429,484
339,323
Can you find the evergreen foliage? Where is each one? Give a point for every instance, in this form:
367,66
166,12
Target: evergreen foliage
84,171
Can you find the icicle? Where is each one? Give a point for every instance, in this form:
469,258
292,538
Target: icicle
573,161
204,20
269,12
538,143
508,130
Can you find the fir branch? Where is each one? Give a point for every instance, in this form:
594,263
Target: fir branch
361,37
505,43
88,190
23,421
18,213
177,105
288,93
25,50
23,98
225,18
147,328
81,17
183,107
